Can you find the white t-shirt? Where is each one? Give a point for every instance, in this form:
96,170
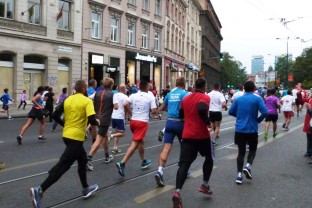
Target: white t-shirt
216,100
121,99
237,94
287,103
294,93
141,103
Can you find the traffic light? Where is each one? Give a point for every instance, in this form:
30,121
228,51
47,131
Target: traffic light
221,56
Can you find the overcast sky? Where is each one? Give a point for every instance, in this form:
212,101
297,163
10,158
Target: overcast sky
250,27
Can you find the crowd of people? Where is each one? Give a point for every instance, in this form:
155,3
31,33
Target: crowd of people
192,115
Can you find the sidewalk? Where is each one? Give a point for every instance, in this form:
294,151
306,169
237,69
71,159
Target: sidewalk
16,113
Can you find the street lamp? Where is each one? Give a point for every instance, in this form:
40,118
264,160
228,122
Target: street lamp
287,60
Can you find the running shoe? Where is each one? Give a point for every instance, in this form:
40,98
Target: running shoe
19,140
42,138
160,136
116,150
239,180
108,159
159,179
265,136
90,166
284,125
310,163
36,195
286,129
247,173
2,165
275,134
109,136
214,143
121,168
86,192
307,155
145,163
205,189
176,199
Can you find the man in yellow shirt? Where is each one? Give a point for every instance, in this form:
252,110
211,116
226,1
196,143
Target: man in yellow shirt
78,110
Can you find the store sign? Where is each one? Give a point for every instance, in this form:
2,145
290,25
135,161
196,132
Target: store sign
111,69
96,59
65,49
146,58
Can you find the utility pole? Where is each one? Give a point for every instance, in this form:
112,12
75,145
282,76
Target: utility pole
287,65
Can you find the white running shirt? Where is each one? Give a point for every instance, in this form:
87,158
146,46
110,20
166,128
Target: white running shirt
121,99
287,102
141,103
216,100
237,94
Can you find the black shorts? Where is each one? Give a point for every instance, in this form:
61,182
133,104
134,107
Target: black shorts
272,118
215,116
246,138
5,107
102,130
191,147
35,114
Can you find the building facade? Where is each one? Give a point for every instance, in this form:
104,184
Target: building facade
123,40
41,44
257,64
193,42
174,44
211,43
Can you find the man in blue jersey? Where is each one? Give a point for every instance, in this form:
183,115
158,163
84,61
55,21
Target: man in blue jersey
245,109
174,125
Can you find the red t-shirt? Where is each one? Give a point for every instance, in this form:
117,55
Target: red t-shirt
306,125
194,126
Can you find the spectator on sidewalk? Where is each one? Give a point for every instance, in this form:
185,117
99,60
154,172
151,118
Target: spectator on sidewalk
23,100
5,98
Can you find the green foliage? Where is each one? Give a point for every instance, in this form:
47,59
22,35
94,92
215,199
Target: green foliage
302,69
232,72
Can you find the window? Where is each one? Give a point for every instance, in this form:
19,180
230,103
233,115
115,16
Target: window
114,33
7,9
157,41
131,2
157,7
144,37
34,11
131,33
145,4
63,16
96,25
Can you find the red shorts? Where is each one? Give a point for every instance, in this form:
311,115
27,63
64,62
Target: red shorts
139,129
288,114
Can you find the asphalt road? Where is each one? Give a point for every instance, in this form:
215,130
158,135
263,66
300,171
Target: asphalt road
282,177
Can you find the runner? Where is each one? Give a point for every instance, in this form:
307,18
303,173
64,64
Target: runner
77,110
196,139
174,125
2,165
118,116
272,104
23,100
245,109
103,105
5,98
141,103
34,113
287,102
217,102
239,93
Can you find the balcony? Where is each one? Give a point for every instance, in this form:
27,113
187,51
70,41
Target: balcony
64,34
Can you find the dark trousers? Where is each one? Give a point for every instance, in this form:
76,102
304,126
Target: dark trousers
22,104
74,151
189,150
309,144
241,139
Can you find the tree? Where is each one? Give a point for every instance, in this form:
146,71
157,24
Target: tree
232,71
302,68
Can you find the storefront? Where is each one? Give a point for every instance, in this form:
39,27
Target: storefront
191,74
96,67
143,67
173,70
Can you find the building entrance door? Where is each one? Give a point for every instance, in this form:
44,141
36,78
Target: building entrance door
32,80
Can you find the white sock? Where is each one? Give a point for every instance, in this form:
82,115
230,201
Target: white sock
239,174
160,170
205,183
248,165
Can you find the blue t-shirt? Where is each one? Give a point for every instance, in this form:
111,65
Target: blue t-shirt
245,109
5,99
173,100
91,90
